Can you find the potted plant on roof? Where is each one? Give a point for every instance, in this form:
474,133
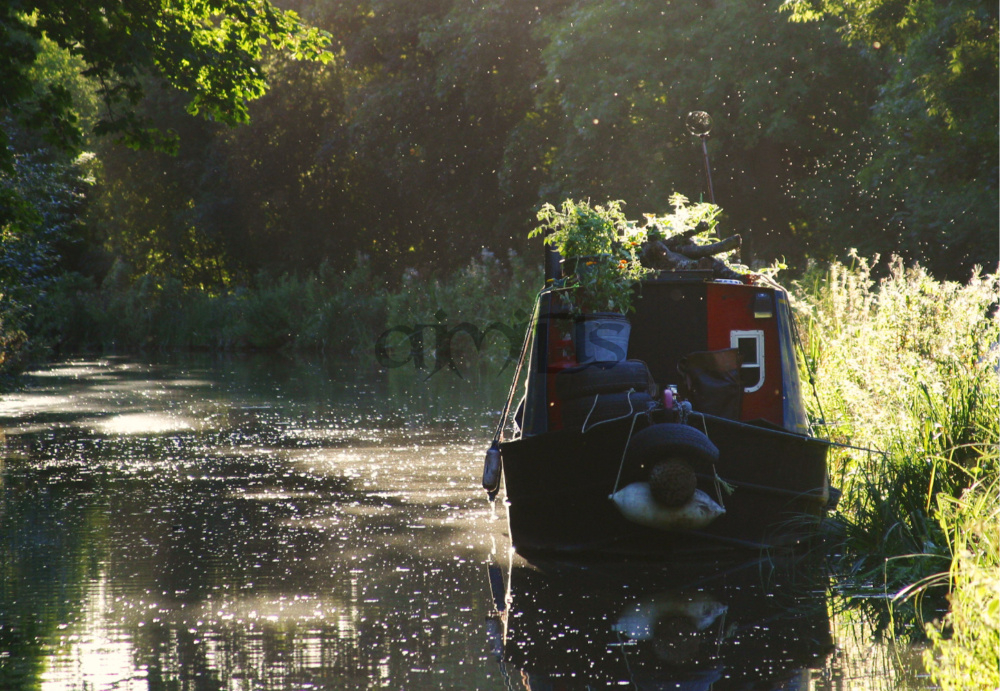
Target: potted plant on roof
601,268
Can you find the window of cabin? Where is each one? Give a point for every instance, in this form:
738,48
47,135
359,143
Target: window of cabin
751,346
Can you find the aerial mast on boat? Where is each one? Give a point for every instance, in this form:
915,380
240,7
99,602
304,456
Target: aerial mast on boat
699,124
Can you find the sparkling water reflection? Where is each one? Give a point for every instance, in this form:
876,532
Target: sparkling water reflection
232,526
697,625
264,524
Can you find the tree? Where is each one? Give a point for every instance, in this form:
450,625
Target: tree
621,78
926,164
59,60
443,85
395,149
276,195
210,50
143,201
42,203
280,193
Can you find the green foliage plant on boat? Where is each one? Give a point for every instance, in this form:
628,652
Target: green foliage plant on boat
601,249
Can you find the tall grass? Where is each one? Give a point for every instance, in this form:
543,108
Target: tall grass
482,299
908,367
335,313
966,650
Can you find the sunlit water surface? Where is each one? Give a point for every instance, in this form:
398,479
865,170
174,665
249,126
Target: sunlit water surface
264,524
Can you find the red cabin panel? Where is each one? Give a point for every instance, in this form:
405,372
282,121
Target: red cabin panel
732,319
561,354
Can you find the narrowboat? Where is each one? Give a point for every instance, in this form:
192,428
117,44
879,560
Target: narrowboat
690,434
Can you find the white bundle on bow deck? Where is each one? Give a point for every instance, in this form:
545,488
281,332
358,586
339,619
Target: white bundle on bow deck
636,503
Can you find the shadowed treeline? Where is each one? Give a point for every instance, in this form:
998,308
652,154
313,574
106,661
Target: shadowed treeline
433,130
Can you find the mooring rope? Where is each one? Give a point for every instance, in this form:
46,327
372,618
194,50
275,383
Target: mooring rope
517,370
720,485
631,409
628,667
628,440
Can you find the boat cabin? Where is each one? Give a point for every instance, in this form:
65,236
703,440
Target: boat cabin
679,316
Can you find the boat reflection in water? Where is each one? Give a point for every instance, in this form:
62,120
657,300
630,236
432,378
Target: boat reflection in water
690,627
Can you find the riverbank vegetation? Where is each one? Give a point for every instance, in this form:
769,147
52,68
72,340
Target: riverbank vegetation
335,314
907,367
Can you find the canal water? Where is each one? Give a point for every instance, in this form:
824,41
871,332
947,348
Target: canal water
261,523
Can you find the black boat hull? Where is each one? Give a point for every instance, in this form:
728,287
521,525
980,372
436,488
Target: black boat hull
558,486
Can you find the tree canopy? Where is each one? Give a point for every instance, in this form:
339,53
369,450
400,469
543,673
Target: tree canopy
209,49
621,78
416,134
925,163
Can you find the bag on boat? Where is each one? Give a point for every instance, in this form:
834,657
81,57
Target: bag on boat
712,382
636,503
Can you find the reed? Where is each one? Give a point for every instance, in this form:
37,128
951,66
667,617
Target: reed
485,298
966,642
339,314
907,366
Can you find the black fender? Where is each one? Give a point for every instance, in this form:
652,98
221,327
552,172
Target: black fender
580,414
670,452
602,378
671,440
